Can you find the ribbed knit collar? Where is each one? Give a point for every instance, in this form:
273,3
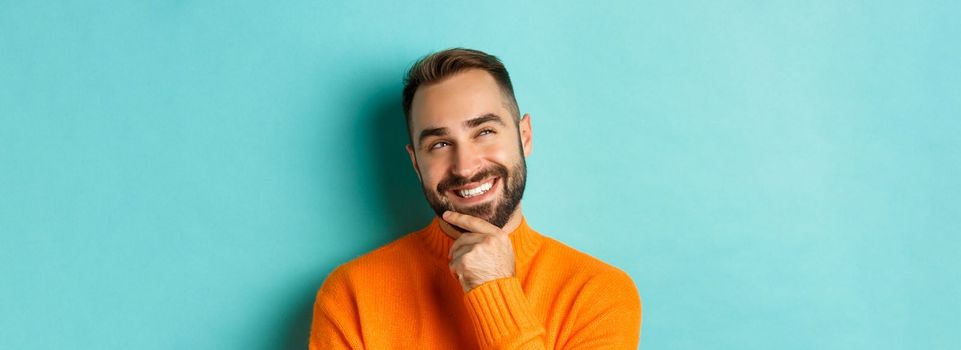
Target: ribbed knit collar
525,240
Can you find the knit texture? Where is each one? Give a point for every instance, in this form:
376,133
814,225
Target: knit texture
403,296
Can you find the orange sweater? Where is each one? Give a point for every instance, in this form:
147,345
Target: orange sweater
402,295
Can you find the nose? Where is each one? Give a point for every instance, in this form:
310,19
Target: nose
467,161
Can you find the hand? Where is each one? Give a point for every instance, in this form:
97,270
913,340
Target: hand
483,253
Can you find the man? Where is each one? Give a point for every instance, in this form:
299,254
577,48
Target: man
477,277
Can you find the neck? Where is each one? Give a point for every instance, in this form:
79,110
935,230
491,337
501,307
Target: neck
510,226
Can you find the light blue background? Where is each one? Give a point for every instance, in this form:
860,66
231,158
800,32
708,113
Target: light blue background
773,175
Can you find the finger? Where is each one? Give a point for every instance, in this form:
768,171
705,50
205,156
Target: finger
471,223
466,239
454,270
460,251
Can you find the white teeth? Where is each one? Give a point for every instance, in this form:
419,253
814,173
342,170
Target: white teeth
476,191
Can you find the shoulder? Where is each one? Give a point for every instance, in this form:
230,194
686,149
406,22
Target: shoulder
577,260
590,274
371,268
385,255
602,299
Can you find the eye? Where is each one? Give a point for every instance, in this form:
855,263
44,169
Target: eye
486,132
438,145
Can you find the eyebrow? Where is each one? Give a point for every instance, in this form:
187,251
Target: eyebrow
471,123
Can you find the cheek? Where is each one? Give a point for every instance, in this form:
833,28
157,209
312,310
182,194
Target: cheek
500,153
433,173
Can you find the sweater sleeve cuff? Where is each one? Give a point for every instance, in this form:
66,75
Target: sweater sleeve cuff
499,309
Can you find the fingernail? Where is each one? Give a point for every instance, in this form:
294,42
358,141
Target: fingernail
446,214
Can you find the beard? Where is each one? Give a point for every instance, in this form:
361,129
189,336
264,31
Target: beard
497,211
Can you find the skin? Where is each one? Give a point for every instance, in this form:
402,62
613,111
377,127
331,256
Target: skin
483,252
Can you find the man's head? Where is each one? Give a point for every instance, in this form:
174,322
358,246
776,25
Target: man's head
468,143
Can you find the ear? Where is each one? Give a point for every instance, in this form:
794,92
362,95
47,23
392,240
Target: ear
413,161
527,134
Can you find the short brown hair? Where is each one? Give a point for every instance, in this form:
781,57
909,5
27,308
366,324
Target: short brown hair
442,64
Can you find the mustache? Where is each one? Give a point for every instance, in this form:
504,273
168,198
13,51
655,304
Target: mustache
452,181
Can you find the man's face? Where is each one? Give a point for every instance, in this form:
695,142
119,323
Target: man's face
467,149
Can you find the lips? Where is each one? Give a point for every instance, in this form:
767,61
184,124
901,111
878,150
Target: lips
474,192
474,189
481,187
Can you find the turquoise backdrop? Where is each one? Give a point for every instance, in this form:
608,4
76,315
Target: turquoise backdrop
772,174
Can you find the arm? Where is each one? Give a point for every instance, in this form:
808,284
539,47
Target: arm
607,308
482,259
332,327
502,316
608,316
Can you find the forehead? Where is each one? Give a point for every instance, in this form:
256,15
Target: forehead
460,97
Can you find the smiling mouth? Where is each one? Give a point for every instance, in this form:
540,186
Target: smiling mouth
474,190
